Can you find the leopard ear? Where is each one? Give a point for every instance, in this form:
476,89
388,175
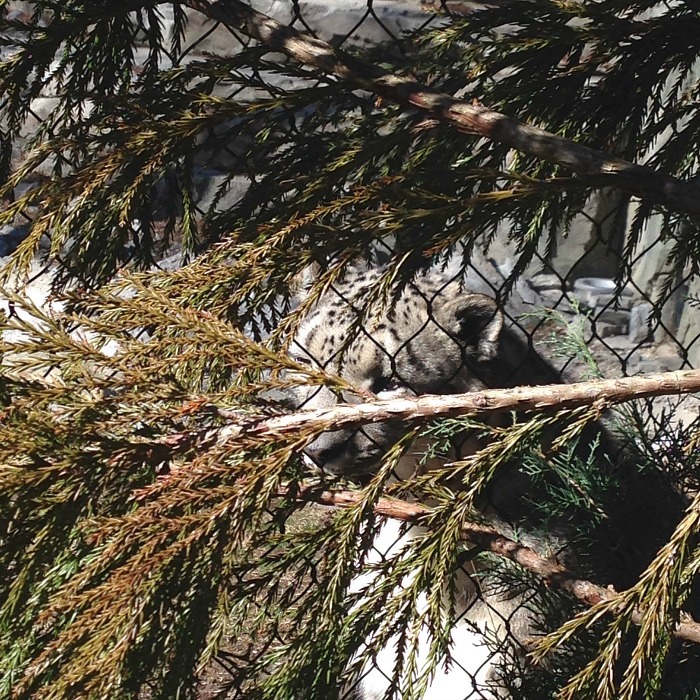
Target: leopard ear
475,321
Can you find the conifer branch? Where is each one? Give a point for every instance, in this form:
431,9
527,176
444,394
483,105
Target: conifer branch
470,117
554,574
602,393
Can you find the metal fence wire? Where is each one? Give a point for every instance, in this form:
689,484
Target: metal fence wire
450,329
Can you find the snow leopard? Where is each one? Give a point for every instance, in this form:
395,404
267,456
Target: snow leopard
437,334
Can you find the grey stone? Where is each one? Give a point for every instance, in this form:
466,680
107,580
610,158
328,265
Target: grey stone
602,292
612,301
620,343
587,293
11,237
608,330
669,362
651,366
171,262
546,281
22,11
41,110
523,290
593,241
167,199
556,299
607,314
640,328
211,181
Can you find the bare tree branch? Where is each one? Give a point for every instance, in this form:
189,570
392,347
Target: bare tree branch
554,574
639,180
604,392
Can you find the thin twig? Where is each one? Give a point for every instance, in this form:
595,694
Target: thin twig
554,574
639,180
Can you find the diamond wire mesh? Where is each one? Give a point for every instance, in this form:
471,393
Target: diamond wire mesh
627,325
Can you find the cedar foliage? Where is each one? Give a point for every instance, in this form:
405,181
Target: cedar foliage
136,544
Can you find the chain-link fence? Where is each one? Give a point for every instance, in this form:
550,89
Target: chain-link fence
584,305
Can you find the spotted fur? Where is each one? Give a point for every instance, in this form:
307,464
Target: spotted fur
433,335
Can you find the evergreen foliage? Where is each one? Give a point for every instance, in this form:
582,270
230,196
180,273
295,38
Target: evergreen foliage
139,539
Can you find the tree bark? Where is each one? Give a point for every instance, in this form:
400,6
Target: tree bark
638,180
554,574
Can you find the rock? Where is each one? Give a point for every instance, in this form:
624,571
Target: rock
167,197
11,237
616,317
601,291
547,281
23,11
236,187
613,301
556,299
640,328
608,330
651,366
